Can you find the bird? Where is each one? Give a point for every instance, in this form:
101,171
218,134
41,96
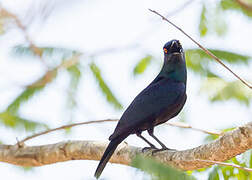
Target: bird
160,101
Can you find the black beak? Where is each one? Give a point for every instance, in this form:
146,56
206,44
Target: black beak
175,47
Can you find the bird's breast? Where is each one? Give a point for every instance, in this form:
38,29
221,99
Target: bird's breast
171,111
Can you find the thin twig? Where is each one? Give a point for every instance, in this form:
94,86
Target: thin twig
184,125
176,124
50,74
64,127
20,25
208,52
226,164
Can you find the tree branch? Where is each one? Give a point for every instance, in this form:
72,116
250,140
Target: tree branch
228,164
227,146
245,5
22,27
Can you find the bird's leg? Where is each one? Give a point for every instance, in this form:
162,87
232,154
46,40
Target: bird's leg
152,146
151,133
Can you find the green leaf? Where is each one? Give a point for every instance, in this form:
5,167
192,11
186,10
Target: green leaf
214,175
227,172
52,56
250,161
68,130
227,56
230,4
31,90
202,169
228,129
235,6
183,116
203,22
75,74
21,50
246,158
142,65
26,168
241,175
211,20
104,87
14,122
212,137
231,57
159,171
2,29
221,90
23,97
198,62
219,23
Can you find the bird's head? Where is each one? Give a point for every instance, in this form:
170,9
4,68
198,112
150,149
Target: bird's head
173,53
174,61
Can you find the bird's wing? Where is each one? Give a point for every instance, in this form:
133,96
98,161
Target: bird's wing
151,102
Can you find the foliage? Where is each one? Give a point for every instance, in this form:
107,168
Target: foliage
52,56
221,90
159,171
26,51
104,87
16,122
142,65
211,21
217,88
214,175
231,172
31,90
75,75
198,61
235,6
203,22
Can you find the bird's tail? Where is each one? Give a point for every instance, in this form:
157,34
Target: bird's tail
107,154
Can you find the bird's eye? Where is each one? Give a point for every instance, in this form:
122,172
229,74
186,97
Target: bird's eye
165,50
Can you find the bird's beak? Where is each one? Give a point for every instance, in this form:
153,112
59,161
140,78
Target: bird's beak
176,47
174,43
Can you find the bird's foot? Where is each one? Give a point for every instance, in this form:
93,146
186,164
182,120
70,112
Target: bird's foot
162,149
149,148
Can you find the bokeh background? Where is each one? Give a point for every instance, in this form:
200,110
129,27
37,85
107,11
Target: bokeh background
65,62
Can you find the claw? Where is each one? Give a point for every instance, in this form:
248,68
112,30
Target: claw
149,148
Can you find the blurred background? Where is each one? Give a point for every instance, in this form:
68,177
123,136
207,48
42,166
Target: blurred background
74,61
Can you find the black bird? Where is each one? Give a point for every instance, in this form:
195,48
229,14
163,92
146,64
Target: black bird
160,101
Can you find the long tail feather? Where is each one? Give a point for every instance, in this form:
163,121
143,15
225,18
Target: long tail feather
107,154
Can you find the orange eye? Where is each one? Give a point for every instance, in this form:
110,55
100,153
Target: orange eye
165,51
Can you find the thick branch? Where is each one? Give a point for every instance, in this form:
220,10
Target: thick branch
227,146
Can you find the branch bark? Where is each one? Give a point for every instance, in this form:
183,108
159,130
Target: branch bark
245,5
227,146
